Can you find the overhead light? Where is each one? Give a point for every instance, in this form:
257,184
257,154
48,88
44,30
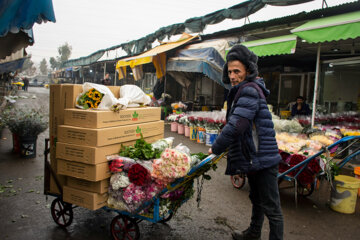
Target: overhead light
90,70
331,64
335,49
303,40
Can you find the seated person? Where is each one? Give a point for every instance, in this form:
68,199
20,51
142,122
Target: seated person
300,107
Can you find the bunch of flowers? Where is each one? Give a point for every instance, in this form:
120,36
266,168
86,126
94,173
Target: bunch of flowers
119,180
173,164
172,118
157,173
118,163
179,106
134,196
152,190
184,120
139,175
90,99
25,122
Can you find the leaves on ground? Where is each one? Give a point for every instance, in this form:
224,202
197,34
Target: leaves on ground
39,178
30,191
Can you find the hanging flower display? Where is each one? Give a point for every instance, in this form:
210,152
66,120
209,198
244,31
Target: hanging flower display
90,99
139,175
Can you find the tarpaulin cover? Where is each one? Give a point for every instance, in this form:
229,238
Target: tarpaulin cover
198,24
12,66
338,27
206,61
156,55
17,18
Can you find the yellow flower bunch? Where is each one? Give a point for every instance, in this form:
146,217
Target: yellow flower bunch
90,99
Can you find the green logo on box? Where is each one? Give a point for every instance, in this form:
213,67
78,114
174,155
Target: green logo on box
138,131
135,116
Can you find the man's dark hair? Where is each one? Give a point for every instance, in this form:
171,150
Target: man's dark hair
246,57
300,97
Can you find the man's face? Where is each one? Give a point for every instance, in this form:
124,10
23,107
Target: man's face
236,72
299,101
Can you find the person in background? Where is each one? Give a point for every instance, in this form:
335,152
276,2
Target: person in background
300,107
106,80
26,83
249,137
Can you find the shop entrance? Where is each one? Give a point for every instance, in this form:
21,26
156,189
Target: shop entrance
292,85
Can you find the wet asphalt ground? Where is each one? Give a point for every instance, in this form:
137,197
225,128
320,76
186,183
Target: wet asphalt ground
25,210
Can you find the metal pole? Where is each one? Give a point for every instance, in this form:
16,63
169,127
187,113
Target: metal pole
115,77
316,85
104,69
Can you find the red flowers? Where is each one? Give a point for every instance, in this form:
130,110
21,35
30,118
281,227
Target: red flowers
139,175
116,165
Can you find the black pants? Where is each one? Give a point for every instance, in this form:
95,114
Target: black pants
265,198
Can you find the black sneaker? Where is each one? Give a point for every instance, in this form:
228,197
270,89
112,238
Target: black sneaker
245,235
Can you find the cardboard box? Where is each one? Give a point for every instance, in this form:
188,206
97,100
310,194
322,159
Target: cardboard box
88,186
94,155
88,172
84,199
70,92
108,136
53,188
102,119
55,112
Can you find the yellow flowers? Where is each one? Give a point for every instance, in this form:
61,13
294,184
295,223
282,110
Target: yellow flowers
90,99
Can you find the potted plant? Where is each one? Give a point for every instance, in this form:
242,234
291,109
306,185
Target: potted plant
26,125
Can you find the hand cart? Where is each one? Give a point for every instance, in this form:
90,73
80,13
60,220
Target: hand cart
292,174
125,225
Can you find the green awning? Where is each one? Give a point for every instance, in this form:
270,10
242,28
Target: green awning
338,27
273,46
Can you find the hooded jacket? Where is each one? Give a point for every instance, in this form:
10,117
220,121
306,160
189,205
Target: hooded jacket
249,134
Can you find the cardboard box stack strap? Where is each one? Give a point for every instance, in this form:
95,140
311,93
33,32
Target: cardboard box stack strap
84,139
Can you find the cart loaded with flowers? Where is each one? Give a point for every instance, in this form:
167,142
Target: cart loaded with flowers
148,182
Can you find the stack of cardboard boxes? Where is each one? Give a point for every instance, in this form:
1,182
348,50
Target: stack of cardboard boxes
81,140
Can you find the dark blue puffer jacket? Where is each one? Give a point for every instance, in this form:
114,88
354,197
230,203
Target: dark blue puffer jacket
254,147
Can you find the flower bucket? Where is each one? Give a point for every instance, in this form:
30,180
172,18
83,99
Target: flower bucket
201,135
193,133
28,147
344,194
174,126
187,131
357,175
181,129
16,143
211,136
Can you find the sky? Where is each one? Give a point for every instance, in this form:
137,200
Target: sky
90,25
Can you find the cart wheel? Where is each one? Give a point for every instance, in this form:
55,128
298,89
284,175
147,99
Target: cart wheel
305,190
238,181
61,212
167,218
123,227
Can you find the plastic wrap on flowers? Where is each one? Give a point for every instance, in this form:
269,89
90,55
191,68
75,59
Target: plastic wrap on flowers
162,144
117,204
172,164
158,175
134,196
119,180
119,164
139,175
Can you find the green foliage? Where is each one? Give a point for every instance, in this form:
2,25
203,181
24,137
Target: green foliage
140,151
64,52
43,67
